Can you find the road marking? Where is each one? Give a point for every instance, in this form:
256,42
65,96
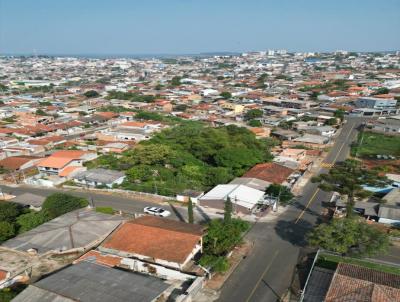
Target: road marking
327,165
322,165
262,276
308,204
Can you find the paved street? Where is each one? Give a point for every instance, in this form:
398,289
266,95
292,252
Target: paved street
267,272
117,202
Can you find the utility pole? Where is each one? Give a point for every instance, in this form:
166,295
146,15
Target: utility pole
361,140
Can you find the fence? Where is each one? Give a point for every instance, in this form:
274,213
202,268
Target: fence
130,194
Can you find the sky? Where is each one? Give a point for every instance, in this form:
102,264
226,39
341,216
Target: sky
106,27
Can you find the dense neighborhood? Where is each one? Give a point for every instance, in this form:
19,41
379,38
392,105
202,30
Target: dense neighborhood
174,178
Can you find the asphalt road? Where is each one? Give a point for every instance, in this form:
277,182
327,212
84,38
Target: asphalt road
117,202
267,272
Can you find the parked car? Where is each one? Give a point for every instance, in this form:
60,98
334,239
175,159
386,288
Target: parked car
157,211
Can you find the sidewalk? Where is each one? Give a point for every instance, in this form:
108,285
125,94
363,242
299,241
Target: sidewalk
238,254
215,213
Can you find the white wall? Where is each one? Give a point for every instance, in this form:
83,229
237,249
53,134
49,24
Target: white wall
155,270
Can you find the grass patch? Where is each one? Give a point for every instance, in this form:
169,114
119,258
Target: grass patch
105,210
370,144
331,261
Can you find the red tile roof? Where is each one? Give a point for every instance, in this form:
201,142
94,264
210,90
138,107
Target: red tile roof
15,162
356,283
270,172
3,275
98,257
156,238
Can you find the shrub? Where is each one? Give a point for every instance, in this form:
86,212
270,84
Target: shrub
216,263
31,220
7,230
60,203
9,211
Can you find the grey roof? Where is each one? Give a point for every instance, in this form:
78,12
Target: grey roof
254,183
393,197
33,293
310,138
29,199
76,229
90,282
370,208
389,212
100,175
318,284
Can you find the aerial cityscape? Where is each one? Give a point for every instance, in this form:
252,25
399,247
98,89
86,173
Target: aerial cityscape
211,166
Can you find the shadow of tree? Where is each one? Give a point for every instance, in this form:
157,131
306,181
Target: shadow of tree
177,213
203,214
295,233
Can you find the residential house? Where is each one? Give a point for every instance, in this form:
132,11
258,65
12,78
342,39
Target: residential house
270,172
19,163
157,240
64,160
99,177
244,199
356,283
87,281
389,212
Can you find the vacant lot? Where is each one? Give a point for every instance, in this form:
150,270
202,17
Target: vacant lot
371,144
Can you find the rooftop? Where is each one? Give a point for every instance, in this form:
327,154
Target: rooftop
157,238
356,283
90,282
270,172
75,229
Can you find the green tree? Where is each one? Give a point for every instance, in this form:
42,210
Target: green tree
9,211
281,192
226,94
222,237
31,220
7,230
349,237
381,90
253,114
58,204
228,211
254,123
339,114
190,211
348,178
91,94
175,81
40,112
331,122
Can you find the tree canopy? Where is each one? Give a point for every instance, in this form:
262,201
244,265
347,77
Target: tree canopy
226,94
91,94
348,178
58,204
254,123
283,192
189,156
175,81
253,114
349,237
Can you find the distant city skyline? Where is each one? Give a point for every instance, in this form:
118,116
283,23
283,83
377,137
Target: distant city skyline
179,27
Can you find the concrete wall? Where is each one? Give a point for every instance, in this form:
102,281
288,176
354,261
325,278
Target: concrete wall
155,270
